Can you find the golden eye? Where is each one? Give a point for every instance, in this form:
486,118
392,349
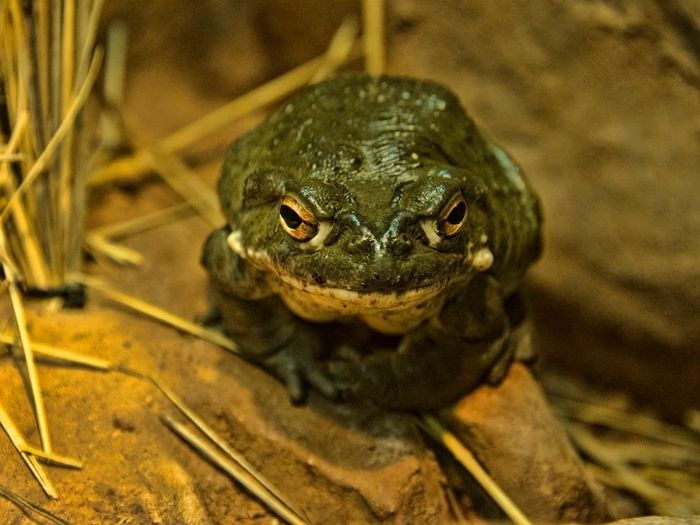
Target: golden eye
297,221
452,216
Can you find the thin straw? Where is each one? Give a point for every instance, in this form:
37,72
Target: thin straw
439,433
234,470
373,31
50,150
158,313
18,308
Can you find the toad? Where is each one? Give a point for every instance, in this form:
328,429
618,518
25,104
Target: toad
374,202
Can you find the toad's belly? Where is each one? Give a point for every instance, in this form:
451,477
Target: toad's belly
388,313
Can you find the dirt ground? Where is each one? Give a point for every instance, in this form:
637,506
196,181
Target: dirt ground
597,100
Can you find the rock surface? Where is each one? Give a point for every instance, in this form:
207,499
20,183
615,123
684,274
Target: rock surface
339,463
514,435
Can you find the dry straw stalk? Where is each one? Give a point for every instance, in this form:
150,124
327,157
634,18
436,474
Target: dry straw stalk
48,66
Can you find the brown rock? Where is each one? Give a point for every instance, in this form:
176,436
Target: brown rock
512,432
659,520
339,463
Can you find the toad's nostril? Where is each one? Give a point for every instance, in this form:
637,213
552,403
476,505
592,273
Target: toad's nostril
359,246
399,245
364,245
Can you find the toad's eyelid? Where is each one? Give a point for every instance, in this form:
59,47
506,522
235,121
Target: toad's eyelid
297,221
442,202
299,206
324,199
449,224
451,203
262,187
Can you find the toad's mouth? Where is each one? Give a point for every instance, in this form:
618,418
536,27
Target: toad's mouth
384,299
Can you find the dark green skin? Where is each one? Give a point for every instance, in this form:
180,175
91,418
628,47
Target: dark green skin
374,157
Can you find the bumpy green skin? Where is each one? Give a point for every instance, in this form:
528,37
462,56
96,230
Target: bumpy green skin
373,157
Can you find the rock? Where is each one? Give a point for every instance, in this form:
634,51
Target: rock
128,475
338,463
512,432
659,520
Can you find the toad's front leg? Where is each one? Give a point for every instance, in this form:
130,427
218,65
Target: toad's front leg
260,324
441,361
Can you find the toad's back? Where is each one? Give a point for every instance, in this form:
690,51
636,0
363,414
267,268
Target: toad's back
359,127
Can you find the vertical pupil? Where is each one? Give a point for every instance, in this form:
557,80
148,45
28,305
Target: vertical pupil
457,213
290,217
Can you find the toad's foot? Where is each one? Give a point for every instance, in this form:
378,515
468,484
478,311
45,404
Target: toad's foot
371,379
297,364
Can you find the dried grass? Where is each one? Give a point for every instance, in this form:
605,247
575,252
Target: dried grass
48,65
134,166
221,443
339,49
432,426
21,445
657,462
61,355
158,314
144,223
99,244
28,507
37,396
373,36
234,470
